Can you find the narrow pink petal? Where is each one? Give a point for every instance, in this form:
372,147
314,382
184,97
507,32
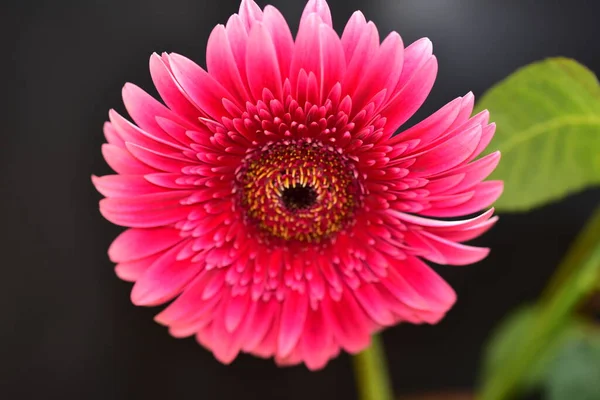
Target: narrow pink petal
164,279
190,328
293,316
282,39
264,74
466,109
360,42
293,358
416,55
317,340
411,96
235,311
469,233
173,162
199,86
124,185
382,72
318,7
353,30
175,131
455,253
318,50
351,327
432,127
441,226
222,342
122,162
146,211
268,345
430,286
261,325
170,91
131,271
144,109
371,301
222,66
238,36
191,305
398,287
486,138
333,64
170,180
131,133
446,155
475,172
485,193
307,51
405,313
135,243
112,136
250,13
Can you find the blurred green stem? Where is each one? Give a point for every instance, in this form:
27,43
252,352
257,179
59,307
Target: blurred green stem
575,278
370,369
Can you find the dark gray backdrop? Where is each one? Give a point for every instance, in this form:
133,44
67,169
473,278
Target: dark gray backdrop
68,329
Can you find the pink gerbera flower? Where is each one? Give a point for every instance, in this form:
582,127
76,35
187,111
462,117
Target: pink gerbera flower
269,199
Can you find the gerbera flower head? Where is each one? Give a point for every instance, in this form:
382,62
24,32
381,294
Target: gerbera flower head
268,199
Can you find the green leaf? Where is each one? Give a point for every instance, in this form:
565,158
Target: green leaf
548,130
575,373
509,337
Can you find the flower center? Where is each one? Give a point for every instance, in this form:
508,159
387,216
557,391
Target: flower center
299,197
298,190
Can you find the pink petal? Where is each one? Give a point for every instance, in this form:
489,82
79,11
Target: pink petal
191,305
318,7
485,193
261,325
447,154
199,86
250,13
293,316
475,172
360,42
281,37
316,341
164,279
124,185
318,50
235,311
432,127
371,301
382,72
469,233
349,324
411,96
264,74
454,253
112,136
441,226
122,162
144,110
433,289
131,271
172,162
135,243
147,211
222,66
170,91
130,133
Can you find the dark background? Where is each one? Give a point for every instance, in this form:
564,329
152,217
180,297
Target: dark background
68,329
